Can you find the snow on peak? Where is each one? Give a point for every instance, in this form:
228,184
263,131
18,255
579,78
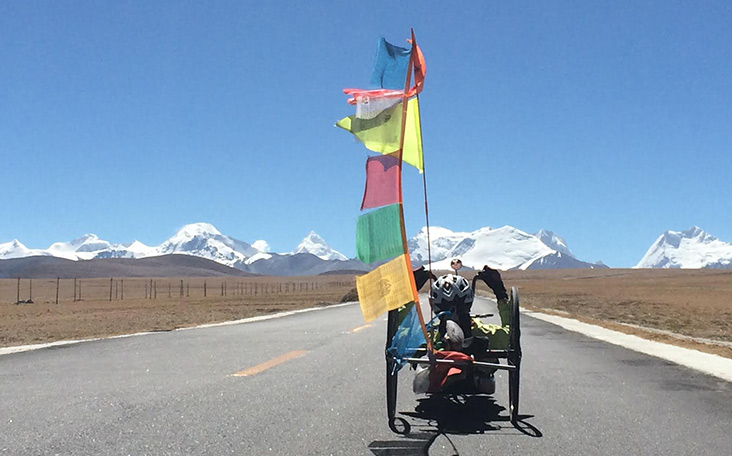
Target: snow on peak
196,229
261,245
89,237
553,242
442,241
85,247
139,250
204,240
501,248
16,249
315,245
258,256
690,249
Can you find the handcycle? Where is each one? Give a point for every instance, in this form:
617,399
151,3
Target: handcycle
487,358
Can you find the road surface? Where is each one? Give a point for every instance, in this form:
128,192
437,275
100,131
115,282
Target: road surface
313,384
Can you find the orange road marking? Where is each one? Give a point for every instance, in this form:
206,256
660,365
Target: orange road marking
368,325
269,364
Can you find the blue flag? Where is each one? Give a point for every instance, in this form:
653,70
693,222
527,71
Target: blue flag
408,338
390,67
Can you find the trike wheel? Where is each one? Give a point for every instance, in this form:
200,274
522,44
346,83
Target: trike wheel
514,357
513,394
515,324
397,425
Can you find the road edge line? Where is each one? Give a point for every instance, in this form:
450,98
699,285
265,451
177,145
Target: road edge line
707,363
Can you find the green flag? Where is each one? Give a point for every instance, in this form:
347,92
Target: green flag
379,235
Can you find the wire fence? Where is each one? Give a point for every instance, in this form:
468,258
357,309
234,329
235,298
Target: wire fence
58,291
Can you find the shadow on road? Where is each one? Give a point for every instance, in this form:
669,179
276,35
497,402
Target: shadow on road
445,415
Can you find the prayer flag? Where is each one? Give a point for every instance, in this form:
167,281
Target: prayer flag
412,152
387,287
390,66
419,70
409,336
382,181
379,235
369,103
382,133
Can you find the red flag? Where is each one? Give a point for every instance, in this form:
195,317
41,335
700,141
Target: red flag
382,181
419,70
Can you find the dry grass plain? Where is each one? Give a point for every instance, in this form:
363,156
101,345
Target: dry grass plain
133,308
692,303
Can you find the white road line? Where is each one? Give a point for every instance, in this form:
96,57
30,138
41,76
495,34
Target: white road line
709,364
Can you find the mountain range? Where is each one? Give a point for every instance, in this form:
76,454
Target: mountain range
502,248
690,249
312,256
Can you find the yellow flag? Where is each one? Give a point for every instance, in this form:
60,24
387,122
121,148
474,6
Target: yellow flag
382,132
412,152
387,287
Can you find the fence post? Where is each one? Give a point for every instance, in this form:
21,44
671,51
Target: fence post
111,280
74,289
181,288
30,290
79,290
58,279
204,288
122,290
17,301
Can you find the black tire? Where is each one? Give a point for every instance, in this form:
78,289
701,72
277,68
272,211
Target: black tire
515,324
514,357
513,394
392,378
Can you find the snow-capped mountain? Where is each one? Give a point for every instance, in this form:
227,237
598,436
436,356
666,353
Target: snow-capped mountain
502,248
441,242
16,249
691,249
312,256
83,248
303,263
553,241
315,245
204,240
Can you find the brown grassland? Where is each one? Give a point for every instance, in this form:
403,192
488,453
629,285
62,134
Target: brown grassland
133,308
691,308
694,304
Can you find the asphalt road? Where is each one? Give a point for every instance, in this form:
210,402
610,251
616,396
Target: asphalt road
174,394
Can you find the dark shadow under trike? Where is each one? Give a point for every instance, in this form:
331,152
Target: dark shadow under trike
512,355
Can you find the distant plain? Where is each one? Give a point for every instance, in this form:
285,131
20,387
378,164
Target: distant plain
693,303
691,308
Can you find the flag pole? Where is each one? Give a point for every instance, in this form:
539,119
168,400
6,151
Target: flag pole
424,187
405,101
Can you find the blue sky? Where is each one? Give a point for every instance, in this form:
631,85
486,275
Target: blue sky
605,122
